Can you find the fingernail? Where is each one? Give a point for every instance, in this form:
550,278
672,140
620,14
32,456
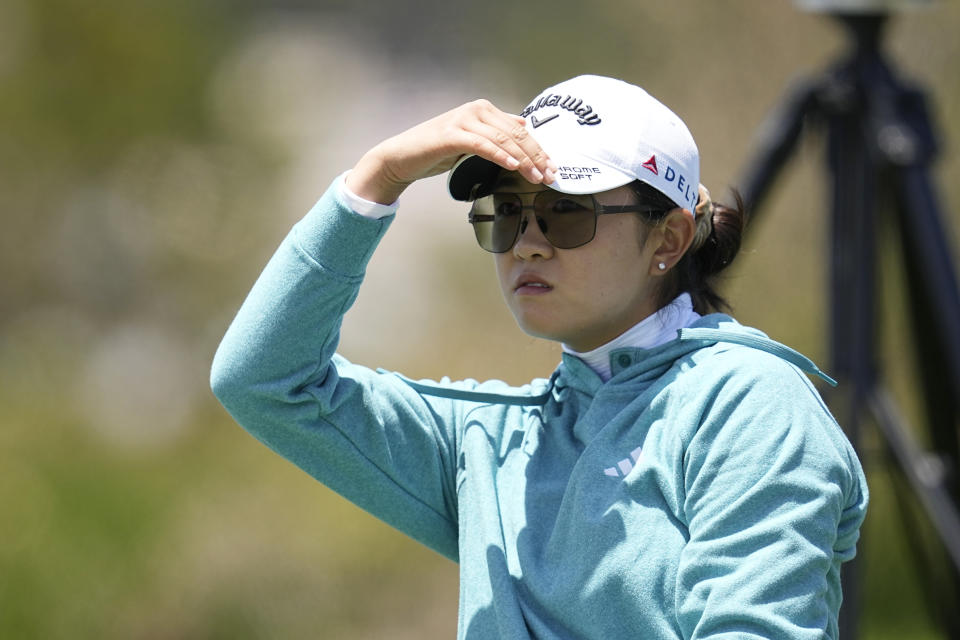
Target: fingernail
537,176
552,165
512,162
548,176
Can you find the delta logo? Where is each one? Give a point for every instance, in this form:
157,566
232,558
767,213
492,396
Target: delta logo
651,165
687,191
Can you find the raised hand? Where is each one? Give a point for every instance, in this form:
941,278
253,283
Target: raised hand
434,146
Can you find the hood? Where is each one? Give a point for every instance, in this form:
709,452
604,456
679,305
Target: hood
708,331
637,364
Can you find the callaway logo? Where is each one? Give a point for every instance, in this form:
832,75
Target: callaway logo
584,112
537,122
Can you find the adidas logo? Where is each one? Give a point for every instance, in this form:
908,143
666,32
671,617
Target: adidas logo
625,466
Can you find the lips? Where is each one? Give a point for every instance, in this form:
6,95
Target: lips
530,284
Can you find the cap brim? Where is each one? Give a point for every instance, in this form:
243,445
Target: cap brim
471,178
578,174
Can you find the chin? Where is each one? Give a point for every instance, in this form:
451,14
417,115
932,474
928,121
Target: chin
538,328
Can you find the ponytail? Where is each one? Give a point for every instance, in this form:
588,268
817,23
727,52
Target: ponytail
700,265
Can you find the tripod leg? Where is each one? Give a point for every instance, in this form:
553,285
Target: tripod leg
935,311
776,142
935,501
852,301
935,294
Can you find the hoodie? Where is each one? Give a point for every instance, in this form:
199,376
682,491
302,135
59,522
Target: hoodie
703,491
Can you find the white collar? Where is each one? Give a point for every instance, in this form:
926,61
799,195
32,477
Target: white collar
652,331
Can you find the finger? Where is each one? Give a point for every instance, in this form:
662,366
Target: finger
529,161
531,151
509,134
485,147
512,135
515,127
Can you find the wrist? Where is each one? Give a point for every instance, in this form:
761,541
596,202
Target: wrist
370,180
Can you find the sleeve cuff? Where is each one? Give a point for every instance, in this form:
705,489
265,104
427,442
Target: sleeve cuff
362,206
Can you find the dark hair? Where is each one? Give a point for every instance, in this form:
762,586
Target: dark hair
696,272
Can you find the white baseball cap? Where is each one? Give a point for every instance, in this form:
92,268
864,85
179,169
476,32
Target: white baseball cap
602,133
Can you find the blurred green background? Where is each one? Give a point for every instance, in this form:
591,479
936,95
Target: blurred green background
153,154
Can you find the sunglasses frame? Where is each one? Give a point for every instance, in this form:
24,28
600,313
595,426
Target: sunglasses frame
598,209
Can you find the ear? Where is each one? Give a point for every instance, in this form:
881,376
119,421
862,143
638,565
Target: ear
676,232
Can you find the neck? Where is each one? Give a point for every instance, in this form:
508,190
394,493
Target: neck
652,331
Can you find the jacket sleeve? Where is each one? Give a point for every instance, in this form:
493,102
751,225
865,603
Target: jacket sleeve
774,500
368,436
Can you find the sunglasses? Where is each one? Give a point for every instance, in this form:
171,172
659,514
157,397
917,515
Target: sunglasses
567,221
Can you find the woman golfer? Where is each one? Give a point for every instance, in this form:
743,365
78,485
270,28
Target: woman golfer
677,476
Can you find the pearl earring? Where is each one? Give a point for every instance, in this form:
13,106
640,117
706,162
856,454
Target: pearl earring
662,266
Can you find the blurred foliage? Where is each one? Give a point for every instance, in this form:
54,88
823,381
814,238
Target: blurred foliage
152,156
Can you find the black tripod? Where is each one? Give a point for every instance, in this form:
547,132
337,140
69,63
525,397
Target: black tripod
880,143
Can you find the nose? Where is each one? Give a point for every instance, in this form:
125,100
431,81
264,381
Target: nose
532,243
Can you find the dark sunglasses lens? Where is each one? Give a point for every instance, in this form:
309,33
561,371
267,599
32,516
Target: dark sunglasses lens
570,220
496,221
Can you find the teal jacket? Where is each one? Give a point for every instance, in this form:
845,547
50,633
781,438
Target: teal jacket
704,491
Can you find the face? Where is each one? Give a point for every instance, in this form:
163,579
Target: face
583,297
